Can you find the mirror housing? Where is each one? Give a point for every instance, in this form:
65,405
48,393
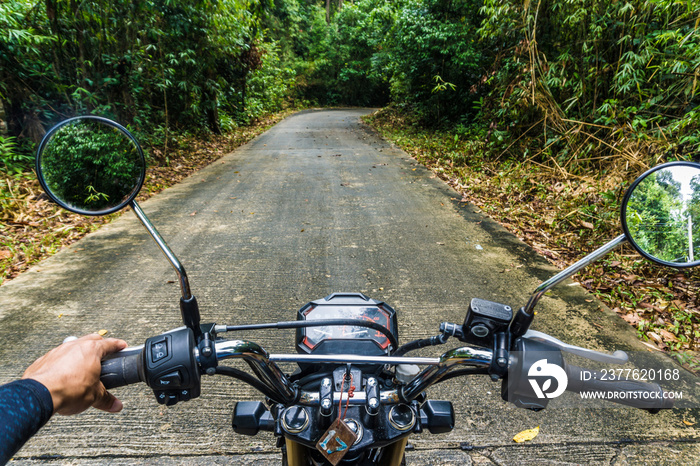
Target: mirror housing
90,165
660,214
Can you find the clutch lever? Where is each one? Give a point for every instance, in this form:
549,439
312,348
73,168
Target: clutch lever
618,357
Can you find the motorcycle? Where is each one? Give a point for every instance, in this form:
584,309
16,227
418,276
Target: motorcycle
356,395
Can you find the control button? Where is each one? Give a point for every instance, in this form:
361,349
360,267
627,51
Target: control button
159,350
185,395
172,399
170,380
161,397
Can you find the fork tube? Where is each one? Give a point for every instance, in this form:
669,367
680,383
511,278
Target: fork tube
296,453
393,454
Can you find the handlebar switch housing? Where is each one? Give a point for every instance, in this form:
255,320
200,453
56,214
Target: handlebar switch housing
536,374
485,319
170,366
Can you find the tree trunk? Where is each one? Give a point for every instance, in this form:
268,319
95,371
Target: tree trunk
212,111
328,11
13,115
3,120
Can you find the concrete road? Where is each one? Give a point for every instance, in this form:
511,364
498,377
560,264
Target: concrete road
316,205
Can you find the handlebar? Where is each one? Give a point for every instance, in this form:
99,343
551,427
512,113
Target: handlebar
123,368
136,364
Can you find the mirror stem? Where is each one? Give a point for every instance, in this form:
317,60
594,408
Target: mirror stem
167,252
571,270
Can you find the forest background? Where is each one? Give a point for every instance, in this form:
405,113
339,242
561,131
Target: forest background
540,112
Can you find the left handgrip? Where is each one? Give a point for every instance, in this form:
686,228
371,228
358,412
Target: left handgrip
122,368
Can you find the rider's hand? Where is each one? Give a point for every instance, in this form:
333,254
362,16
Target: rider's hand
71,372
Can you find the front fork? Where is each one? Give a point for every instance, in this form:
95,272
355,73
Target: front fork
393,453
296,453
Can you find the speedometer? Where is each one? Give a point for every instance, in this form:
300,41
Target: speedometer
336,338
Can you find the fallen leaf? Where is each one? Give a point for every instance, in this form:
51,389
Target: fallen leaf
632,318
688,423
586,225
60,315
656,338
4,254
655,348
666,335
679,304
102,332
193,213
526,435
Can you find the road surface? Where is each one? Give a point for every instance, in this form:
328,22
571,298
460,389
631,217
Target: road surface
318,204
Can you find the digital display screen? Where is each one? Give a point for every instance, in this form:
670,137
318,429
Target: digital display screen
315,335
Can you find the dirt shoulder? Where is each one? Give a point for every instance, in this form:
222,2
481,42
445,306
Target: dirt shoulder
564,216
33,228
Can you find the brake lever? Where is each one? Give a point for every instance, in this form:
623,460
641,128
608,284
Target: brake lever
618,357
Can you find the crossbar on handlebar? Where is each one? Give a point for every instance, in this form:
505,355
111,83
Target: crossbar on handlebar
353,359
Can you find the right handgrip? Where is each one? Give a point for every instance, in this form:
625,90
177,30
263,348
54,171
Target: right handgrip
122,368
598,385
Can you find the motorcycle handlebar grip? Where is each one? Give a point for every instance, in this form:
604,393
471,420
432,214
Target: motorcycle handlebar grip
642,395
119,370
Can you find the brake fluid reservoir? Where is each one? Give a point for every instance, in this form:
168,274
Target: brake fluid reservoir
406,372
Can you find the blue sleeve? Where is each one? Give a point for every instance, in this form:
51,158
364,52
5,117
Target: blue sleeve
25,406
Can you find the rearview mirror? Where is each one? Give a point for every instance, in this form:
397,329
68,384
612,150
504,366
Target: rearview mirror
661,214
90,165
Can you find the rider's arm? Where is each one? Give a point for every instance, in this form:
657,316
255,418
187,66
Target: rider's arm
25,406
66,380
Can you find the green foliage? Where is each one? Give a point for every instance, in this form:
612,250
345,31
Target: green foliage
573,82
12,161
657,217
91,166
344,62
584,75
437,64
269,86
155,64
